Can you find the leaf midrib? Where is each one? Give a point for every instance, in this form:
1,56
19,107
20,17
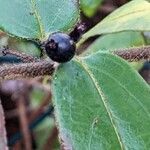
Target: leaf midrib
37,16
102,96
132,95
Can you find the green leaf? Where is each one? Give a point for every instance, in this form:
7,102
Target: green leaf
116,41
147,37
101,103
24,46
3,141
89,7
37,18
131,16
3,40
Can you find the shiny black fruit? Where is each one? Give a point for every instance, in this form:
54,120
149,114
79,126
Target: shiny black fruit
60,47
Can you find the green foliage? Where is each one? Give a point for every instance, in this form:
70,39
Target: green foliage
101,103
89,7
132,16
35,19
24,46
116,41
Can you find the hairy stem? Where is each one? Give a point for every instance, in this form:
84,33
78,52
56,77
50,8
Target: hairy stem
40,68
22,56
134,54
26,70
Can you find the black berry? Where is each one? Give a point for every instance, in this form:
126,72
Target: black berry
60,47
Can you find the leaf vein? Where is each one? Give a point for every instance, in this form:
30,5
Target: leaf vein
146,111
38,19
85,67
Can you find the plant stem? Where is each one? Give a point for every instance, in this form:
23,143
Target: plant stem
22,56
24,123
43,67
26,70
134,54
